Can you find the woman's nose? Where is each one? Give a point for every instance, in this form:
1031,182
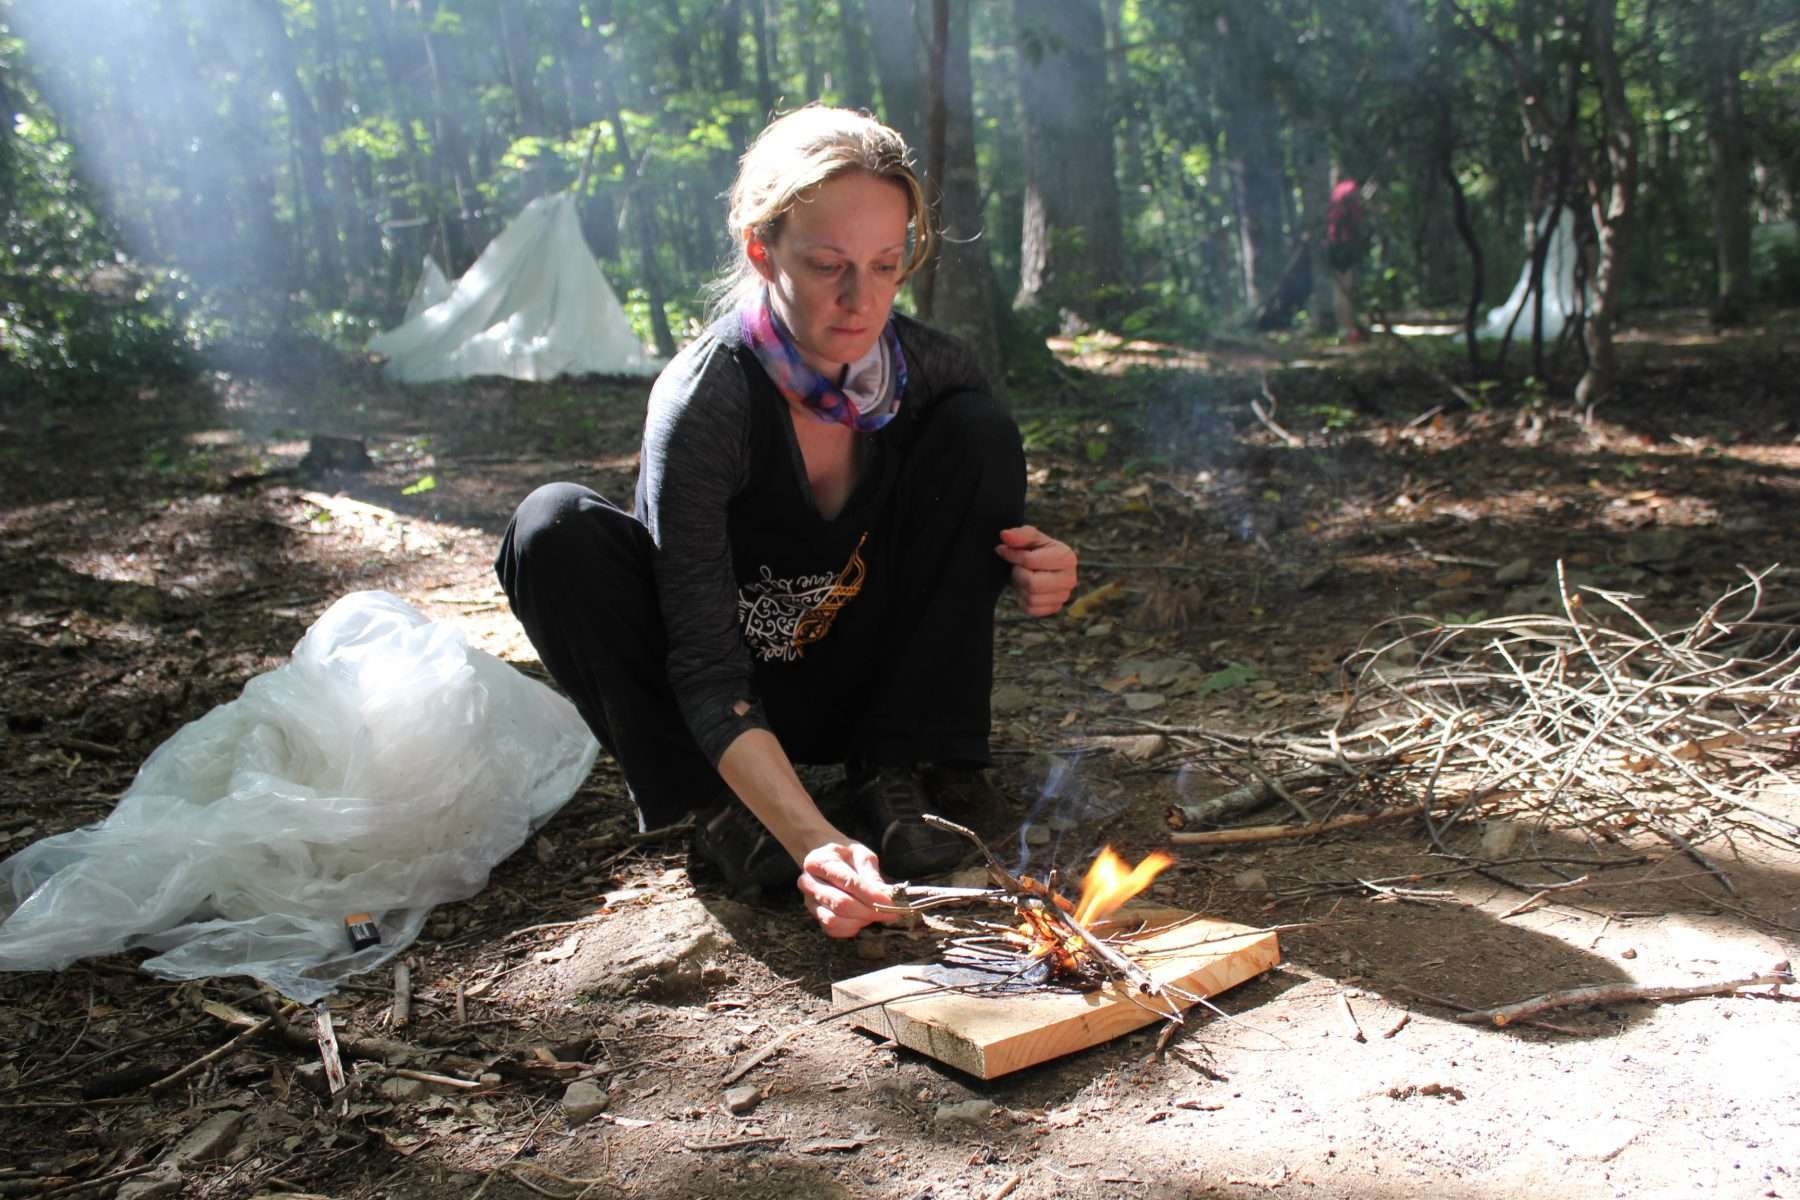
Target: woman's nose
853,292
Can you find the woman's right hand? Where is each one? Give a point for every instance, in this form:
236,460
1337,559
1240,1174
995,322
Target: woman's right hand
842,884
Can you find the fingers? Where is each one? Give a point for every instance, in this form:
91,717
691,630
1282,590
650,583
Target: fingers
1021,535
1042,593
1044,569
842,884
1026,547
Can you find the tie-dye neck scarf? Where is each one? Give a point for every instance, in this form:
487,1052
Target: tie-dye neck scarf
870,394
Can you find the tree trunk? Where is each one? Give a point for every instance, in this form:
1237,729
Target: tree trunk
1725,136
965,295
1072,243
309,145
643,216
935,120
765,86
900,66
362,245
1613,194
853,82
1252,156
731,70
449,148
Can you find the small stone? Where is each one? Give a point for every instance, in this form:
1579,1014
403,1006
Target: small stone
582,1101
743,1098
974,1111
1011,698
1252,880
1060,824
1628,953
404,1089
1497,837
213,1138
1143,701
1098,629
165,1180
1037,835
1516,571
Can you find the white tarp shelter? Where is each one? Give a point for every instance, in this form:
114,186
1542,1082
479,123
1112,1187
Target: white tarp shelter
1561,302
432,289
534,306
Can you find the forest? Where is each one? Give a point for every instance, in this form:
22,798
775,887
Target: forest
180,173
1436,625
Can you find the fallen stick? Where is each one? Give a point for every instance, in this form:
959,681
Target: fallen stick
735,1143
1350,1023
402,994
1250,796
1397,1026
1008,1188
757,1057
1276,833
1614,993
436,1080
174,1077
1531,900
98,1181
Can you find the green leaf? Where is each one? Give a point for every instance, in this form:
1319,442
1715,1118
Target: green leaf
423,483
1236,675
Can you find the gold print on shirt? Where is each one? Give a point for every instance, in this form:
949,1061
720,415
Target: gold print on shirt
781,617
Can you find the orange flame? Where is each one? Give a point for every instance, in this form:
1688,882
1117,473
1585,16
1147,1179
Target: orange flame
1108,884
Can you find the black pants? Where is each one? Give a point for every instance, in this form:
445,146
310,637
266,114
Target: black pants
577,570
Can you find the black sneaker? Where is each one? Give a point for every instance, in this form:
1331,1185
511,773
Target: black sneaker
967,796
734,843
893,801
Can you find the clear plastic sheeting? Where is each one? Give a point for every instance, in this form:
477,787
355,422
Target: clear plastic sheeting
1561,300
386,768
534,306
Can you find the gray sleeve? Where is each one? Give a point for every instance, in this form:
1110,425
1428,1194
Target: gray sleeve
694,460
937,365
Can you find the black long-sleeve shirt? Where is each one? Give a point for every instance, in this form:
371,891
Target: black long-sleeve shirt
696,460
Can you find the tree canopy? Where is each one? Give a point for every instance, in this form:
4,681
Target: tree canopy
172,171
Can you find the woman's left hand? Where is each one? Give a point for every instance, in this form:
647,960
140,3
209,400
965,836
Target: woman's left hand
1043,569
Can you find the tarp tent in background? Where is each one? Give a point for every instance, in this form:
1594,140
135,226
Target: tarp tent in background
1561,302
432,288
534,306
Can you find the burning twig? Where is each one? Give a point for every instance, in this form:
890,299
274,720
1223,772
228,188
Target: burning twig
1050,929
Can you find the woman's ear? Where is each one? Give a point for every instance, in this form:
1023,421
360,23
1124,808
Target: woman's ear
757,251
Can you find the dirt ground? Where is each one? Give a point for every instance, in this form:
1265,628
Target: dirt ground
162,545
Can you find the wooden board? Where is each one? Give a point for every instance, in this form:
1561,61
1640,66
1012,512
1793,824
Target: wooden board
991,1035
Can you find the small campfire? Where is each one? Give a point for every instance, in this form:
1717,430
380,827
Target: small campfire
1045,939
1025,974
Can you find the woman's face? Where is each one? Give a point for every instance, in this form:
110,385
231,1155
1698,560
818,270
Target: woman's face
834,267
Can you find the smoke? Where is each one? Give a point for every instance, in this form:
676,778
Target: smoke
1066,804
177,129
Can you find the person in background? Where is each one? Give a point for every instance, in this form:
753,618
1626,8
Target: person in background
1346,243
829,504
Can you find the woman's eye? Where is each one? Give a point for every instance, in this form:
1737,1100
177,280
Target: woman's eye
887,268
826,268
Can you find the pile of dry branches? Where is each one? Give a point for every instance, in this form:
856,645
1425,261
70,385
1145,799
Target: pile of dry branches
1590,719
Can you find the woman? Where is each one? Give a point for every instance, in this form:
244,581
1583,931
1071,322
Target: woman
828,506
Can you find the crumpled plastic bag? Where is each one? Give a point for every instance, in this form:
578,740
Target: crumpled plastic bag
386,768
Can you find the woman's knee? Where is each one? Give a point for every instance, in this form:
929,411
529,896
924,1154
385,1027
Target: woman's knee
974,435
562,527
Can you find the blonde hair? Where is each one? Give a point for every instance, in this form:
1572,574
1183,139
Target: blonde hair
790,158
